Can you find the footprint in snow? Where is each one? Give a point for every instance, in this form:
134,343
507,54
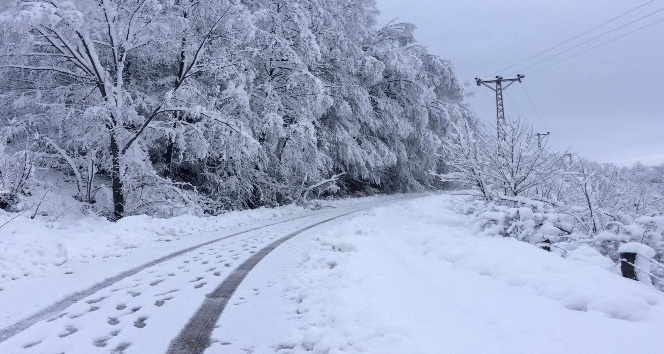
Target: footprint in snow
69,330
140,322
121,348
101,342
77,315
57,317
31,344
161,302
94,301
168,292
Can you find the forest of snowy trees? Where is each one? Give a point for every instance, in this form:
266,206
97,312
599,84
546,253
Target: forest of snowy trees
166,106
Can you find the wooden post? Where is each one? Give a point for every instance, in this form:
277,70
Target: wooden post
627,261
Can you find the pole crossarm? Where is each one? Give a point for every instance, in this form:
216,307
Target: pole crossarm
499,79
541,136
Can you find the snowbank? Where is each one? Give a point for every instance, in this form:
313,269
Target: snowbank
30,247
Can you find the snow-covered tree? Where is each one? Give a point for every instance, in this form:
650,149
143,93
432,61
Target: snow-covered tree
515,165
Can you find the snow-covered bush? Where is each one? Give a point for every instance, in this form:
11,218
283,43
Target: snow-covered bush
552,200
524,219
16,173
560,228
515,165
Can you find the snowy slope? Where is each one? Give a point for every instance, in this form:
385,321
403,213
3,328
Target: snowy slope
412,278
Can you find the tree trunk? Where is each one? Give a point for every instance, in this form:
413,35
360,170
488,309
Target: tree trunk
281,145
116,180
168,158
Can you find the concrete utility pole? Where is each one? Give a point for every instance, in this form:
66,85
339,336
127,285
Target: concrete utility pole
500,107
541,136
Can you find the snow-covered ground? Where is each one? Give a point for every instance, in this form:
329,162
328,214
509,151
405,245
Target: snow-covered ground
406,276
412,278
42,261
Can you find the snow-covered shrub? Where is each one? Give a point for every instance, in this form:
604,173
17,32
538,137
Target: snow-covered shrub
560,228
554,200
16,172
521,218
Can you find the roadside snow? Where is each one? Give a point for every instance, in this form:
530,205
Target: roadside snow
31,247
412,278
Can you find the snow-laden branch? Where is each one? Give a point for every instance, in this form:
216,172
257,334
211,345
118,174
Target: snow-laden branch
69,160
305,193
44,68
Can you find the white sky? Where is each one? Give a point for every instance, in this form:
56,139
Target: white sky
605,104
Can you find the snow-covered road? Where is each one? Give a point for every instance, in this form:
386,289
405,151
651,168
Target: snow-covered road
141,309
388,277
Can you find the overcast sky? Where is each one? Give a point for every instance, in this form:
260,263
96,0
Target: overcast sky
606,104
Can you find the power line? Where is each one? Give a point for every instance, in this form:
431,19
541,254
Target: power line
575,37
513,102
594,38
532,104
597,46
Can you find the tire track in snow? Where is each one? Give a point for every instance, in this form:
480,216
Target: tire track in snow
195,336
18,327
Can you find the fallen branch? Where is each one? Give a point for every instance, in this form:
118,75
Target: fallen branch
12,219
305,193
40,203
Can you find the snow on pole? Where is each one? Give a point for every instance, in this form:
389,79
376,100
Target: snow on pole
634,263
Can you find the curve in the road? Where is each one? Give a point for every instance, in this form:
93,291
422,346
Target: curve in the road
63,304
195,336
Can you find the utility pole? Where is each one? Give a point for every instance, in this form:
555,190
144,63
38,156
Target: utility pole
500,107
541,136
